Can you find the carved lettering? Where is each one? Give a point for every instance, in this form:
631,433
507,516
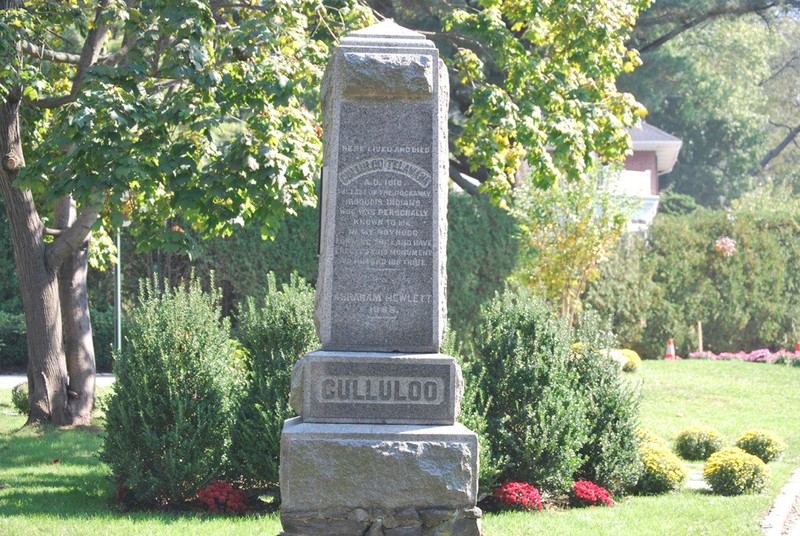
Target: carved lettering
378,390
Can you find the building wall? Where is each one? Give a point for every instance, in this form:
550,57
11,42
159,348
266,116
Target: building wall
645,161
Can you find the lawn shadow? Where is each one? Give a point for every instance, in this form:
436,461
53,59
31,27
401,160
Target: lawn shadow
56,472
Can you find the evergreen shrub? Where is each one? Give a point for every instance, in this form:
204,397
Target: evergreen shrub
698,443
662,470
535,416
19,398
168,417
732,471
564,411
275,332
611,405
762,443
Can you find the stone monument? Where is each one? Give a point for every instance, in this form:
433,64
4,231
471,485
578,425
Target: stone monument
376,449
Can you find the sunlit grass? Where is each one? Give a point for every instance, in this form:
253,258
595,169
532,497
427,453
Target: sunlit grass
53,482
729,396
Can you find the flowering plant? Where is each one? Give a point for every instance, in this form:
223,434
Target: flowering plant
518,495
762,355
586,493
222,497
732,471
725,245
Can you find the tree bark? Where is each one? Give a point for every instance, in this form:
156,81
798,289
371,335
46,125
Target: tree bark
77,325
47,371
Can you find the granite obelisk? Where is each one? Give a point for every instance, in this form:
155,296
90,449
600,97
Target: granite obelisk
376,447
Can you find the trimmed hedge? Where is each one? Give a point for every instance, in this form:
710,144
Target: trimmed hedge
657,289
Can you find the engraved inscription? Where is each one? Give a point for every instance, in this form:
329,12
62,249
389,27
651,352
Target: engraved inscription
379,390
377,165
385,236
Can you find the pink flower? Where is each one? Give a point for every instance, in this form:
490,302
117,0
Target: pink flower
725,245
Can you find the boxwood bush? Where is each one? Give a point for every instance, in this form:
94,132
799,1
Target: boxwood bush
559,414
611,405
168,418
535,418
275,331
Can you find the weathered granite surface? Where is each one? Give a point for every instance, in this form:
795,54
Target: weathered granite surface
341,467
364,387
382,278
406,522
376,450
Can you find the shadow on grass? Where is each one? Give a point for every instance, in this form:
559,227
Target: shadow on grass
57,473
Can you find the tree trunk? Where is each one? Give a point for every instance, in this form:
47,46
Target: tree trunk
78,345
47,371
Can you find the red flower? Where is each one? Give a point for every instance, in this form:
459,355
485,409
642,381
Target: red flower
518,495
585,493
221,496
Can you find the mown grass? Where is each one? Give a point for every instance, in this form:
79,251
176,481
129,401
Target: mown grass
729,396
53,483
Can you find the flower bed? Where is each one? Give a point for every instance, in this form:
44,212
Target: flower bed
764,355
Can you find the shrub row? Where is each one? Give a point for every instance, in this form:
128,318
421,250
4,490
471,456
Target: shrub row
657,287
190,404
14,346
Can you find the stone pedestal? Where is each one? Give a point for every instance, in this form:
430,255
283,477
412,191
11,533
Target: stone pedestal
376,449
398,479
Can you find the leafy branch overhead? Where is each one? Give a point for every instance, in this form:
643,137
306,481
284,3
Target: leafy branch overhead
540,79
194,108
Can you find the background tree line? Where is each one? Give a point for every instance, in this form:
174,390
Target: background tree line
199,120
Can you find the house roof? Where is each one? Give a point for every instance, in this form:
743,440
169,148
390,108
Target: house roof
646,137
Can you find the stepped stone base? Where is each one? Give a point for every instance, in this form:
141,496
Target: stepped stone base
407,522
347,478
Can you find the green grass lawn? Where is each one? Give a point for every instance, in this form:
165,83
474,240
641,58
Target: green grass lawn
52,482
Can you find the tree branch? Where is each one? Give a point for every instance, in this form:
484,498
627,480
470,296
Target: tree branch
770,156
47,54
789,64
91,47
71,238
688,24
463,182
51,102
56,56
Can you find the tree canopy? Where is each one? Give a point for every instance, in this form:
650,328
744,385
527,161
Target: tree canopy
721,76
203,109
531,81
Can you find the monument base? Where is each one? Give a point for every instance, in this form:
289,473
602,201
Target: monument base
347,479
407,522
